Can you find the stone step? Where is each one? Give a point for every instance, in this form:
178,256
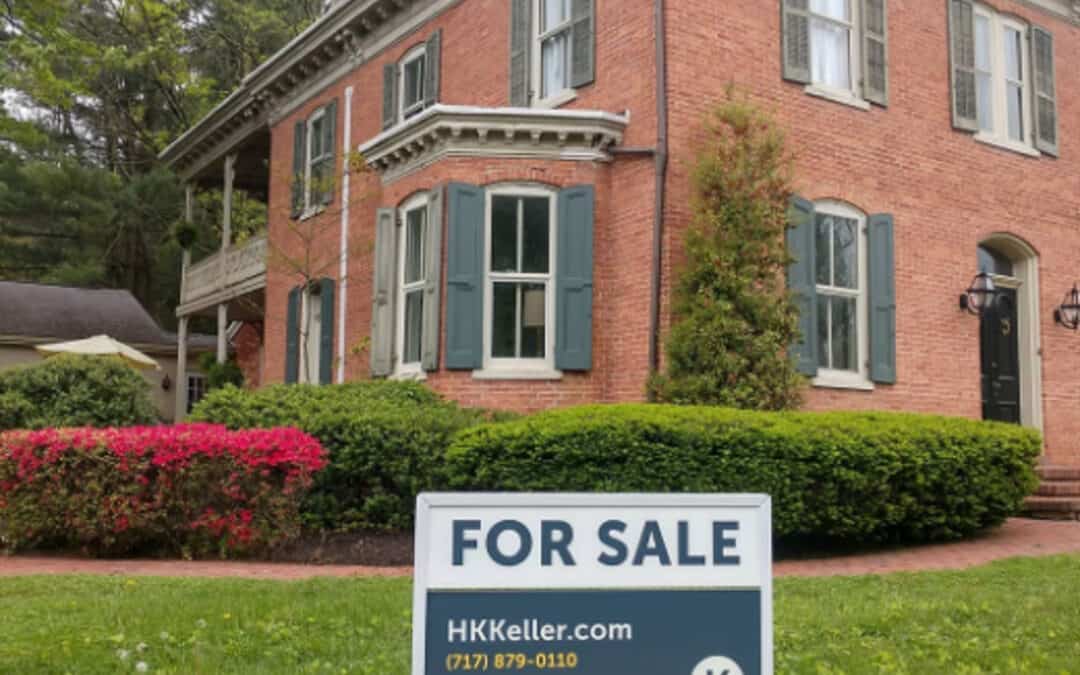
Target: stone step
1050,472
1053,507
1059,488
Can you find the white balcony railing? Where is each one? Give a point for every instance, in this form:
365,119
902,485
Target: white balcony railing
244,270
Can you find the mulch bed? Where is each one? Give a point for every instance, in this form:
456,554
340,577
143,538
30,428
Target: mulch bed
368,548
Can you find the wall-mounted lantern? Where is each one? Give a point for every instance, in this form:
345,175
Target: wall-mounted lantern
166,383
1068,313
979,296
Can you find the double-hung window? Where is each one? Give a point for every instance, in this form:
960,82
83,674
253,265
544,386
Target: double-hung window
834,59
1002,78
312,337
841,280
411,280
554,44
552,50
412,95
197,386
519,308
314,161
317,156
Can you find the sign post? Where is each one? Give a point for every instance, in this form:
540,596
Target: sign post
589,584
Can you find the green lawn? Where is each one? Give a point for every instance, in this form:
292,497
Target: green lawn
1019,616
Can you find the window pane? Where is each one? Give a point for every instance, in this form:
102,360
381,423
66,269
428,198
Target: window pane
415,233
822,247
845,253
823,330
504,211
991,261
414,325
536,244
316,138
1015,101
553,65
1013,56
830,54
834,9
555,12
533,320
984,102
413,84
844,350
504,321
982,44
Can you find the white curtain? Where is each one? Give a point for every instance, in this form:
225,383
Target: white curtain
830,46
554,65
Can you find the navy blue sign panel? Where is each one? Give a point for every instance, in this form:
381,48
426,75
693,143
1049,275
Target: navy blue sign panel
594,632
593,584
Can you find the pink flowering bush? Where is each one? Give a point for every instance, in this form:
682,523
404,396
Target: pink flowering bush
190,489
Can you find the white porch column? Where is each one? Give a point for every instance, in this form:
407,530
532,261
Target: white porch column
181,370
226,242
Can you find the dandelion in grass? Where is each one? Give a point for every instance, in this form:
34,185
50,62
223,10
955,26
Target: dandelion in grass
164,636
142,667
201,623
141,647
122,654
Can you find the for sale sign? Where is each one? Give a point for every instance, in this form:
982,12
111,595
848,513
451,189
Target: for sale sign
593,584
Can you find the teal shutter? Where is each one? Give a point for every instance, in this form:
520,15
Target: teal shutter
433,60
432,282
389,102
882,300
465,277
329,172
574,280
520,47
292,338
801,282
299,159
326,332
583,44
382,302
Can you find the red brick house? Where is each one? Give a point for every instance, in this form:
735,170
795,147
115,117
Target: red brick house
514,240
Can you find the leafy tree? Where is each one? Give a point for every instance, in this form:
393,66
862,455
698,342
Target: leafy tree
734,317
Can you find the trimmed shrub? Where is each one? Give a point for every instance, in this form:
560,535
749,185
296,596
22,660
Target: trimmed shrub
75,391
386,441
187,489
845,477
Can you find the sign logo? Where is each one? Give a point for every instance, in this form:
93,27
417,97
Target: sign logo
637,584
717,665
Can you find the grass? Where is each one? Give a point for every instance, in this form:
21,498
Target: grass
1013,617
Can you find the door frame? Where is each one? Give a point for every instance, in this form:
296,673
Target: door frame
1025,262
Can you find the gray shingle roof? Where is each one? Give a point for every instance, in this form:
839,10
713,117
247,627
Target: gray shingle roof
64,313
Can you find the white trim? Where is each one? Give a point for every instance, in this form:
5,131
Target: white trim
558,100
846,379
309,160
567,93
998,136
510,373
855,46
1011,146
1026,280
841,96
467,131
419,203
519,368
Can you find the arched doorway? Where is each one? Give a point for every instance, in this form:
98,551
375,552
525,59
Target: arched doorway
1009,333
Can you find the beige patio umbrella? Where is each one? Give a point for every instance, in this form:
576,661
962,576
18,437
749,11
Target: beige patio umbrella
101,345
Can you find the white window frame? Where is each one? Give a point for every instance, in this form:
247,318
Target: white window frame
567,93
520,368
311,338
404,370
852,94
310,161
418,53
999,135
846,379
190,378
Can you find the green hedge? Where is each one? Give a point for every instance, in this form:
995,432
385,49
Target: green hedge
386,441
75,391
846,477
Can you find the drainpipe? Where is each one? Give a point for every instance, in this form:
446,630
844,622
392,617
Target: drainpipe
343,272
661,159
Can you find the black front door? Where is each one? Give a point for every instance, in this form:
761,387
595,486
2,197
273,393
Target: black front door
1000,348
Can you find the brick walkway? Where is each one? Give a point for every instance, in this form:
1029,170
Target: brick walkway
1016,538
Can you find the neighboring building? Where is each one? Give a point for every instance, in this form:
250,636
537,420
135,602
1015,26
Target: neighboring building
516,242
36,314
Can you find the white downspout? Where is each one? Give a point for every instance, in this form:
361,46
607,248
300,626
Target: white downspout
343,272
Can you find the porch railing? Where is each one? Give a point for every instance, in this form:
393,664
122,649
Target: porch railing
244,264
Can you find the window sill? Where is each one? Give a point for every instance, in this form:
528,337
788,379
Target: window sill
556,100
538,375
311,213
408,376
842,380
837,96
1012,146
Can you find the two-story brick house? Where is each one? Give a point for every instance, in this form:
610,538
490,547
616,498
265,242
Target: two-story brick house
516,237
